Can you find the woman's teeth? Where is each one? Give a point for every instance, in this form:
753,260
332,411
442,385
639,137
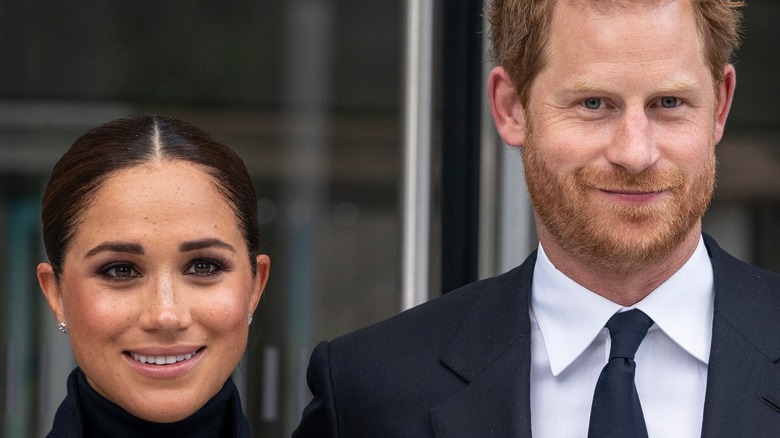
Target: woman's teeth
161,360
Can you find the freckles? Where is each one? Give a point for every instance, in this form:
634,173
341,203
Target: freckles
107,313
224,315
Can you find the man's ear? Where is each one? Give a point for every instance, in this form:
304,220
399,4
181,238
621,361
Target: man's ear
725,97
260,280
51,290
508,113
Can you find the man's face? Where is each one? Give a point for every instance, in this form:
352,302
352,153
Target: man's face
621,129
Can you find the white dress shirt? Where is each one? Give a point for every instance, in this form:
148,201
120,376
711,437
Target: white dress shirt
570,346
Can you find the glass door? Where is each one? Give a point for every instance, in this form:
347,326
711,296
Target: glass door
308,92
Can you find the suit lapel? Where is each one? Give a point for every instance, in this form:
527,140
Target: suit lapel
743,383
491,352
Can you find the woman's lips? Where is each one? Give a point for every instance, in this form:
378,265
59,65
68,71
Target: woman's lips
161,360
162,363
163,356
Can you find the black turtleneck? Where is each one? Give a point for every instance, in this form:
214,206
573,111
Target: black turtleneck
84,414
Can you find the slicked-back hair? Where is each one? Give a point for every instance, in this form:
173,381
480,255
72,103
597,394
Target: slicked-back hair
124,143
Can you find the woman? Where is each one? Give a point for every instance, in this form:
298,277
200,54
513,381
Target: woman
150,227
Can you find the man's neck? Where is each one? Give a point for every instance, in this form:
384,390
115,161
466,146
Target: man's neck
619,287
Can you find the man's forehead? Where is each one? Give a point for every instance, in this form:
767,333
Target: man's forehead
607,7
662,39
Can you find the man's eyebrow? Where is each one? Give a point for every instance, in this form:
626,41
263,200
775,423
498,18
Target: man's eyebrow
583,85
194,245
679,86
126,247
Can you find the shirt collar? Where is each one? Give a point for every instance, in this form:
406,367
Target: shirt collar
570,316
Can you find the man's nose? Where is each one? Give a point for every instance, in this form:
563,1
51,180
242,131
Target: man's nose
634,146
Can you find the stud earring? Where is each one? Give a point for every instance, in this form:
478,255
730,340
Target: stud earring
250,319
63,327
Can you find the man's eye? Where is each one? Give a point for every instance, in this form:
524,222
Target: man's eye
670,102
592,103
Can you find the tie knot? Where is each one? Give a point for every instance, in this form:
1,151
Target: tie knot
627,329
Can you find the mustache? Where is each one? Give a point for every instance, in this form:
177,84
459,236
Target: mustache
619,179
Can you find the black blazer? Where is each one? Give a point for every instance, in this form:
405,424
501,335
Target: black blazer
459,365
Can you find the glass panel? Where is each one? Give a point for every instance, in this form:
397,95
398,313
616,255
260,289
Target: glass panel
745,214
307,92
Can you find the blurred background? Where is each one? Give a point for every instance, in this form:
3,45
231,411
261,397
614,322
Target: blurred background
364,128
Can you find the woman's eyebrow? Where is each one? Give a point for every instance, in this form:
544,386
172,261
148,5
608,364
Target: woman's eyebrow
126,247
193,245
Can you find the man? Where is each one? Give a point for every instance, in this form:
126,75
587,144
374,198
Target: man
617,107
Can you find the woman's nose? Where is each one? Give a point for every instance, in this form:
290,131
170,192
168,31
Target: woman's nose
163,308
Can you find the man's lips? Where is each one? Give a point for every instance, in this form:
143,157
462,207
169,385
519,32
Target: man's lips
635,197
623,191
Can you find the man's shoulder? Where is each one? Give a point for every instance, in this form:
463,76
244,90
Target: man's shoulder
730,269
748,298
384,379
435,321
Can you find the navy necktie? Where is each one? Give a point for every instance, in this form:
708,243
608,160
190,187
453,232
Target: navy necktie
616,411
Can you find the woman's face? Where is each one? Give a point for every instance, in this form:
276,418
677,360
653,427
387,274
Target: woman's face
156,290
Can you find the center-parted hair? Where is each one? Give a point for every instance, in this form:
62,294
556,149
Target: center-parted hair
124,143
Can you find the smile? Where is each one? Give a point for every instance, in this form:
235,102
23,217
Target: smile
162,360
633,191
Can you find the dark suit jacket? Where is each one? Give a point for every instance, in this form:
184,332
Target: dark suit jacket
458,366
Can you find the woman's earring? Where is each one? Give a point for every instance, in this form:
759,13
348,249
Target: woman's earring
250,319
63,327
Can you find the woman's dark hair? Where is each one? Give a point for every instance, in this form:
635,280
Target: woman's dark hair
125,143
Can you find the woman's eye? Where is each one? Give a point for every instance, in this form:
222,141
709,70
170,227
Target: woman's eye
592,103
203,267
669,102
121,272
